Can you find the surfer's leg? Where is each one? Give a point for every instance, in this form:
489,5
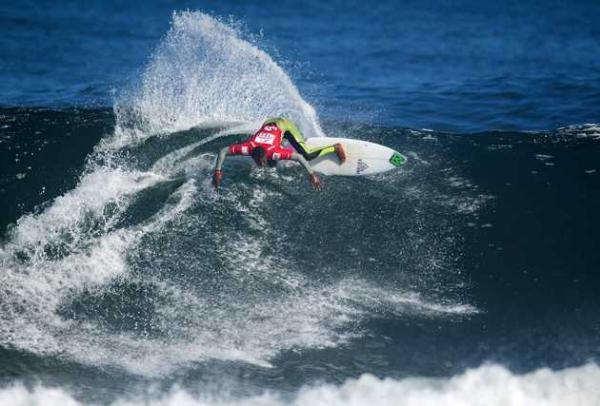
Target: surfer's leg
297,142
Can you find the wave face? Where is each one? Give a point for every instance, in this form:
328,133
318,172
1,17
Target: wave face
126,279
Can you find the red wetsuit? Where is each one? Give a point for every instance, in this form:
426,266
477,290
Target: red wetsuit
269,137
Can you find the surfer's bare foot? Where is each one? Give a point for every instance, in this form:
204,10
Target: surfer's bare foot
339,150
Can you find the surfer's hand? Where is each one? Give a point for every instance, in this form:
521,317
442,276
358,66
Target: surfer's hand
217,177
315,181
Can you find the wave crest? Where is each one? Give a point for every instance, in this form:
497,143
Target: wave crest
203,73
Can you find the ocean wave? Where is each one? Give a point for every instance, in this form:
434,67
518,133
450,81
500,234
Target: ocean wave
590,130
70,270
487,385
143,268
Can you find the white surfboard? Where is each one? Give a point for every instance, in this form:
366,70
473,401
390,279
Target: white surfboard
362,158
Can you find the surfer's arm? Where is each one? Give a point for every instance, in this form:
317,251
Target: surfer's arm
222,155
312,176
218,175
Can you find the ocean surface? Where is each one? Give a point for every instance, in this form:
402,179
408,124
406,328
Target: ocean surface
470,276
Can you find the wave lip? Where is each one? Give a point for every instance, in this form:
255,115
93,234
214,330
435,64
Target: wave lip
204,72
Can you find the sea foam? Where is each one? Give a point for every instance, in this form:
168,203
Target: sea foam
488,385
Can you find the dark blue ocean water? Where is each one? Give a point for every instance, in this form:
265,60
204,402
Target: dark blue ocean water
468,276
457,66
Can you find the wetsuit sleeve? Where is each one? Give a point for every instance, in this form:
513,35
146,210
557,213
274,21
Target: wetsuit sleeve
303,162
222,155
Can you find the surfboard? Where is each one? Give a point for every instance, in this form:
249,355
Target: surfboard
362,157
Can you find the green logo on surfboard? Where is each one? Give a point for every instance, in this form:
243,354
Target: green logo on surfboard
397,159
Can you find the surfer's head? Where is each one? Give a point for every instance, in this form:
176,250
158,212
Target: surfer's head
260,156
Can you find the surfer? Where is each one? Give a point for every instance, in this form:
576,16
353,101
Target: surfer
266,148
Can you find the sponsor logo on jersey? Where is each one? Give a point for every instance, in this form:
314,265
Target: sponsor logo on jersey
265,138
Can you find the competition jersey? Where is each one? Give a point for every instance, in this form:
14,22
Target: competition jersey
269,137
